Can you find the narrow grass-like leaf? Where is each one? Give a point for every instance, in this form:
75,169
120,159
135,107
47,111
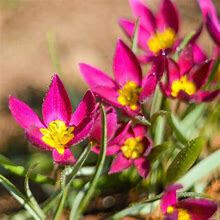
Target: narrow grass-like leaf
19,197
21,171
30,195
188,124
135,36
184,159
157,114
92,186
200,170
156,102
159,130
175,124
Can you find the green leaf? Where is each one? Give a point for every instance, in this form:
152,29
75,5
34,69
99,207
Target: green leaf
135,36
184,159
157,151
175,124
100,164
156,102
157,114
200,170
19,197
30,195
189,123
21,171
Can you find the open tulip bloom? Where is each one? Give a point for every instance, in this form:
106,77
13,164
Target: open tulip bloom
211,19
129,89
133,149
185,81
156,34
186,209
59,128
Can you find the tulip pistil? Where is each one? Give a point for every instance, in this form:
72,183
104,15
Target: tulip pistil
57,135
133,148
129,95
161,40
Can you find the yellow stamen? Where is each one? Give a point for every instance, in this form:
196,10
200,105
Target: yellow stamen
133,148
57,135
170,209
183,215
161,40
129,94
182,84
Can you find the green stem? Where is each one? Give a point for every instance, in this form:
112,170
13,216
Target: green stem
86,199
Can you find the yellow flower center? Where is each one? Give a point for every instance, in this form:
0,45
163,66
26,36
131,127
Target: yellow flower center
57,135
133,148
182,213
170,209
129,94
161,40
183,84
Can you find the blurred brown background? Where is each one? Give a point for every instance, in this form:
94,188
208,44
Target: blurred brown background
85,30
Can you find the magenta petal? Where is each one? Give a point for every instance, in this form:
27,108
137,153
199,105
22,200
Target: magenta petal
65,158
82,131
84,109
109,95
211,18
120,163
199,209
206,96
213,26
126,66
143,35
148,88
143,59
200,74
95,77
143,166
173,71
186,60
111,149
198,55
111,118
24,115
169,197
168,16
34,136
139,130
165,88
147,18
56,105
121,135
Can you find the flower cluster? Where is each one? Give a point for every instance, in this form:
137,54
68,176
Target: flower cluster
181,75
